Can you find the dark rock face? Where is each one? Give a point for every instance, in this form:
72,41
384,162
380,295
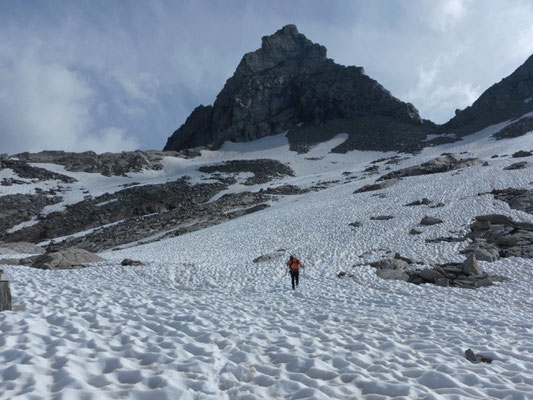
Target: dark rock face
290,84
17,208
506,100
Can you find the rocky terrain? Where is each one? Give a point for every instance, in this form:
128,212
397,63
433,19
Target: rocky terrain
107,164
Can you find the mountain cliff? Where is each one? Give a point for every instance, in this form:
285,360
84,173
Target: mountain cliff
508,99
289,84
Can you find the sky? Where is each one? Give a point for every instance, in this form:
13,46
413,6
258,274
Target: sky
123,75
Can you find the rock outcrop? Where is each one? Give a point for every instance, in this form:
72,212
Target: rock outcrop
444,163
289,84
498,236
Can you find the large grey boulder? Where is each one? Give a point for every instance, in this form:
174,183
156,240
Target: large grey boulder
430,221
431,275
20,248
392,274
65,259
471,266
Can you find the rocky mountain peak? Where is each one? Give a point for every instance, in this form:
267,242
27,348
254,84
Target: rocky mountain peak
290,85
283,46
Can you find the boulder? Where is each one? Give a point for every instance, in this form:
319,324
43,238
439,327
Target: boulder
444,282
398,256
65,259
480,225
267,257
430,275
377,186
522,153
507,241
489,254
424,202
430,221
471,266
382,218
519,165
392,274
476,358
414,231
129,261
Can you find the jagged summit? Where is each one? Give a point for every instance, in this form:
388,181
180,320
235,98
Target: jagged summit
289,84
286,45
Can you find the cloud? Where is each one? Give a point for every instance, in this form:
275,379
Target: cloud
44,105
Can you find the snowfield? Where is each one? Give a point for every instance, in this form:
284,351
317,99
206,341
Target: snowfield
201,321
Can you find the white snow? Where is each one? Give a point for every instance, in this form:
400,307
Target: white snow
201,321
527,100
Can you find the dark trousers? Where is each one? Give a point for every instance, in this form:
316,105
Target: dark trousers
294,278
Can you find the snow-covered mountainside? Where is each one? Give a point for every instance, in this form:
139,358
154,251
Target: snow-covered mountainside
201,320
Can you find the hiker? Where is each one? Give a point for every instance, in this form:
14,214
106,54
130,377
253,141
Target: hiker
294,268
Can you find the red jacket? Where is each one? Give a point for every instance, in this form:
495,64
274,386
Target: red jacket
295,264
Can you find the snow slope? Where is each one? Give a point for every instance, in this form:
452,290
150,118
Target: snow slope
201,321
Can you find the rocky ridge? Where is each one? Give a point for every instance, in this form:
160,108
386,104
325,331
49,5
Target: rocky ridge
509,99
